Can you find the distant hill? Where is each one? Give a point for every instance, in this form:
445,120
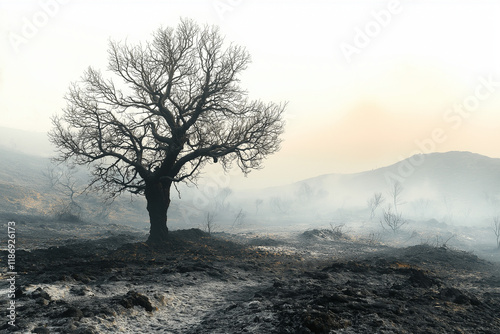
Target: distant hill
460,175
448,186
27,142
22,169
25,189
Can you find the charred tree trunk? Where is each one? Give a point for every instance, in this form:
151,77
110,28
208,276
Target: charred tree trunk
158,199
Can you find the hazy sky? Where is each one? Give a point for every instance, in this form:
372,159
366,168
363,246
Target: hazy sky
368,82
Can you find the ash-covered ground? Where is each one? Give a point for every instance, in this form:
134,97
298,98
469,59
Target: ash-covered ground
89,278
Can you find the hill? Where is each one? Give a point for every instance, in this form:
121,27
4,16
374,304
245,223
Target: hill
446,186
25,188
459,176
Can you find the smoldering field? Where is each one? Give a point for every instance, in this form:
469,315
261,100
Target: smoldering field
450,198
312,257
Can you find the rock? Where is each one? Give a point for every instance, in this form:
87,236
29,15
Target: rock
188,267
82,278
42,301
81,291
133,298
41,330
253,305
65,278
419,279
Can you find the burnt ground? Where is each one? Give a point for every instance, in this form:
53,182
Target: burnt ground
104,279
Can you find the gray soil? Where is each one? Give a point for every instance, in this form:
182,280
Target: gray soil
84,278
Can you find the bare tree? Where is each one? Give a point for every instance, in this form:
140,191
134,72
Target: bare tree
496,229
65,183
393,220
337,230
238,220
178,107
52,175
395,194
210,225
374,238
75,203
374,202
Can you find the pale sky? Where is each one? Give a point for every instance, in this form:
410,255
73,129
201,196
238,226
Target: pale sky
368,83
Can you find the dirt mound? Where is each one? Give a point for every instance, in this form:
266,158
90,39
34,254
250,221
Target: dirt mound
265,241
181,245
323,234
440,258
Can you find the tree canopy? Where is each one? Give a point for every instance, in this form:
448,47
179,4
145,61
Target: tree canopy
171,106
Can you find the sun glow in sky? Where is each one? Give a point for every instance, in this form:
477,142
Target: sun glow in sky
367,82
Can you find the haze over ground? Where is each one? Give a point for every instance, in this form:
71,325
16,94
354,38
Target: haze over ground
368,84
